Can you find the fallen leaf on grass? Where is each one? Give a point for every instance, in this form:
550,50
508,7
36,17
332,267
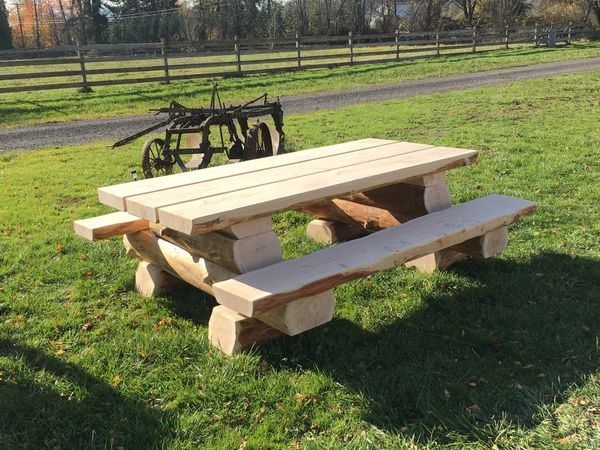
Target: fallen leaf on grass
473,409
579,401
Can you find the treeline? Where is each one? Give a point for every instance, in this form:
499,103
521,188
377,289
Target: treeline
47,23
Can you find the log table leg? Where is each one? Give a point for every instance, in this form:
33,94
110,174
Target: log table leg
232,332
170,258
151,280
346,218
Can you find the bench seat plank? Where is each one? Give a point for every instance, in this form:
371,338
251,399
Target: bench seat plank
219,211
116,195
109,225
272,286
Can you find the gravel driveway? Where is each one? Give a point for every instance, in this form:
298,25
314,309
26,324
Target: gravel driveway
77,132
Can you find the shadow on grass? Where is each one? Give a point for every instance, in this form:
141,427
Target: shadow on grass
98,416
519,337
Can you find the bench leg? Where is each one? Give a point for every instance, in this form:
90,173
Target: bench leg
436,261
330,231
233,333
151,280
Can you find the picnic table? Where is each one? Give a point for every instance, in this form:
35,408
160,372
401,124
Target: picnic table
212,229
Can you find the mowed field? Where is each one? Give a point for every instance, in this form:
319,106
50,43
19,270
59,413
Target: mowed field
69,104
495,354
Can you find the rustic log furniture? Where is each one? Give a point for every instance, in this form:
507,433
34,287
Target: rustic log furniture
212,229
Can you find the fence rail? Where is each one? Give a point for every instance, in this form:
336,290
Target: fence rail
85,66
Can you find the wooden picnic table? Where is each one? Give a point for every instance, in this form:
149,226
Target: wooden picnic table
212,229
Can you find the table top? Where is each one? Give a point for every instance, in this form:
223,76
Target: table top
210,199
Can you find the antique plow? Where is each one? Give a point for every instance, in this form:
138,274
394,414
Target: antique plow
188,146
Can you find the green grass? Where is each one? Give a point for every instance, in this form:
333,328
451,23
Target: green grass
501,353
68,104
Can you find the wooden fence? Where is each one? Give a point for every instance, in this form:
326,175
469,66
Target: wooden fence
85,67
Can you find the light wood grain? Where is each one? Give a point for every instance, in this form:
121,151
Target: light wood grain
233,333
192,269
116,195
151,280
109,225
329,231
264,289
302,314
216,212
237,255
436,261
147,205
486,246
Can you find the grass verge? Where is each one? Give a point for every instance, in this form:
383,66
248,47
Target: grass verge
68,104
501,353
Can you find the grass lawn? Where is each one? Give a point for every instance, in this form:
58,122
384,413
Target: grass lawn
502,353
68,104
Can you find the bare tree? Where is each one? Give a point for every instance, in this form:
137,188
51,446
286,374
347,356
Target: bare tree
468,8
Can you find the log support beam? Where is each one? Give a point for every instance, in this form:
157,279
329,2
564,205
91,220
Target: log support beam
346,218
170,258
151,280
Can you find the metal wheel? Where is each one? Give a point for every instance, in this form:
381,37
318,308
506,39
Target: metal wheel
154,161
259,143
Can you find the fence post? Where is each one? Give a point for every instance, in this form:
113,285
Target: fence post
474,49
163,50
298,57
506,36
569,33
85,86
397,39
535,36
238,57
437,42
350,46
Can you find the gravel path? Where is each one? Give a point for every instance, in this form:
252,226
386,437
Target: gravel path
77,132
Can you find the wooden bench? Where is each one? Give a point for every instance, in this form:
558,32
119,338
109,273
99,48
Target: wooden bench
212,229
478,227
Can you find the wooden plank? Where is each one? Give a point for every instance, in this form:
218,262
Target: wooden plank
109,225
270,287
116,195
219,211
41,87
148,205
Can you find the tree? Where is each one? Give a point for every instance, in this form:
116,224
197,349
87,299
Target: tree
504,12
5,30
594,8
468,8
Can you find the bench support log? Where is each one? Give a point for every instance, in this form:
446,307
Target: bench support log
259,291
346,218
168,257
178,262
151,280
238,255
233,333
